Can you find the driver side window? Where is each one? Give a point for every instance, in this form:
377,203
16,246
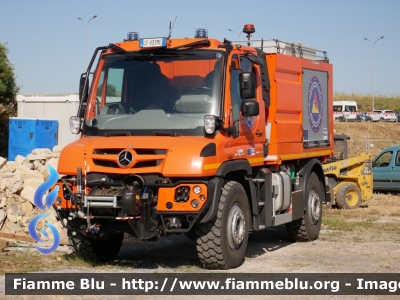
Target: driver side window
245,66
384,159
236,100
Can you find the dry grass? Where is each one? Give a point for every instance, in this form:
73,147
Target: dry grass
379,218
27,259
364,102
376,220
381,135
381,205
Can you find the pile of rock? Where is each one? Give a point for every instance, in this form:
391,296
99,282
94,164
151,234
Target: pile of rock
19,180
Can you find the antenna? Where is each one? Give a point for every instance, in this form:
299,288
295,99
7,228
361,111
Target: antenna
171,26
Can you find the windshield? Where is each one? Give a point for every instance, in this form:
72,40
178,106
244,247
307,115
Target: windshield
140,94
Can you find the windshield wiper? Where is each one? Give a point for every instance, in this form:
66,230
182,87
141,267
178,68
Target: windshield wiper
166,133
118,133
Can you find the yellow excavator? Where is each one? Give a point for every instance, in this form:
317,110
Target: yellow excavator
349,180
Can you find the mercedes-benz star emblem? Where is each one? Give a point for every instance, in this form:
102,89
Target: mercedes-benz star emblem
125,158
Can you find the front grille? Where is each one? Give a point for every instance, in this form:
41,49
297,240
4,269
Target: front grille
105,163
143,158
151,151
146,164
107,151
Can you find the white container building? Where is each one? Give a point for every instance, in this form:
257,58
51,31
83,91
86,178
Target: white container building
59,108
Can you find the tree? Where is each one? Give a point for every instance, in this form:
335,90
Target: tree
8,85
8,93
111,90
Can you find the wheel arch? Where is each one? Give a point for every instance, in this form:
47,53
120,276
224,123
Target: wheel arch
311,166
235,170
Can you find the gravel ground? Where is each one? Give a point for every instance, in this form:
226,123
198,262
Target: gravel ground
268,251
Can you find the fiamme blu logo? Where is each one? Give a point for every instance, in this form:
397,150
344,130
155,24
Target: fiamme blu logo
48,203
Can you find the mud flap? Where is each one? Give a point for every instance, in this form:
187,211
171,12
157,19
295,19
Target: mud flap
297,205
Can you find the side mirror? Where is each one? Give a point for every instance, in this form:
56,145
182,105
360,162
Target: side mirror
82,88
250,108
83,94
248,85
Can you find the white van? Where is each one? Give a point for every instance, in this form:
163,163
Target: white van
345,110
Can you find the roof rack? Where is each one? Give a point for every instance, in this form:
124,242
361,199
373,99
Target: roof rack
287,48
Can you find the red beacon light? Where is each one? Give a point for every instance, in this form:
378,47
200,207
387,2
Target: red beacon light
249,29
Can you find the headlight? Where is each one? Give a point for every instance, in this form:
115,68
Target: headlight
209,124
197,190
75,124
195,203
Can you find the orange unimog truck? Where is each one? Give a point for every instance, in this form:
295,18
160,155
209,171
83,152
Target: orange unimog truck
215,139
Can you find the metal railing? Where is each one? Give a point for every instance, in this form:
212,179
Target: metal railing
287,48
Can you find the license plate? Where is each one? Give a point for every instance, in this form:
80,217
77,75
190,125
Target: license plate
156,42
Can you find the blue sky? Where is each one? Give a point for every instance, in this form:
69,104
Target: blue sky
46,40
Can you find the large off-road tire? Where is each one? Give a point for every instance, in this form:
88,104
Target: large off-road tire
221,243
81,245
348,196
107,249
101,249
307,228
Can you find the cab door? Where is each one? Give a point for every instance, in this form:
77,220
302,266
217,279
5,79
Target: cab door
386,170
248,132
395,168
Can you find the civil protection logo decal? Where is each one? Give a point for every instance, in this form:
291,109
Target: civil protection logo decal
249,122
50,198
315,104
